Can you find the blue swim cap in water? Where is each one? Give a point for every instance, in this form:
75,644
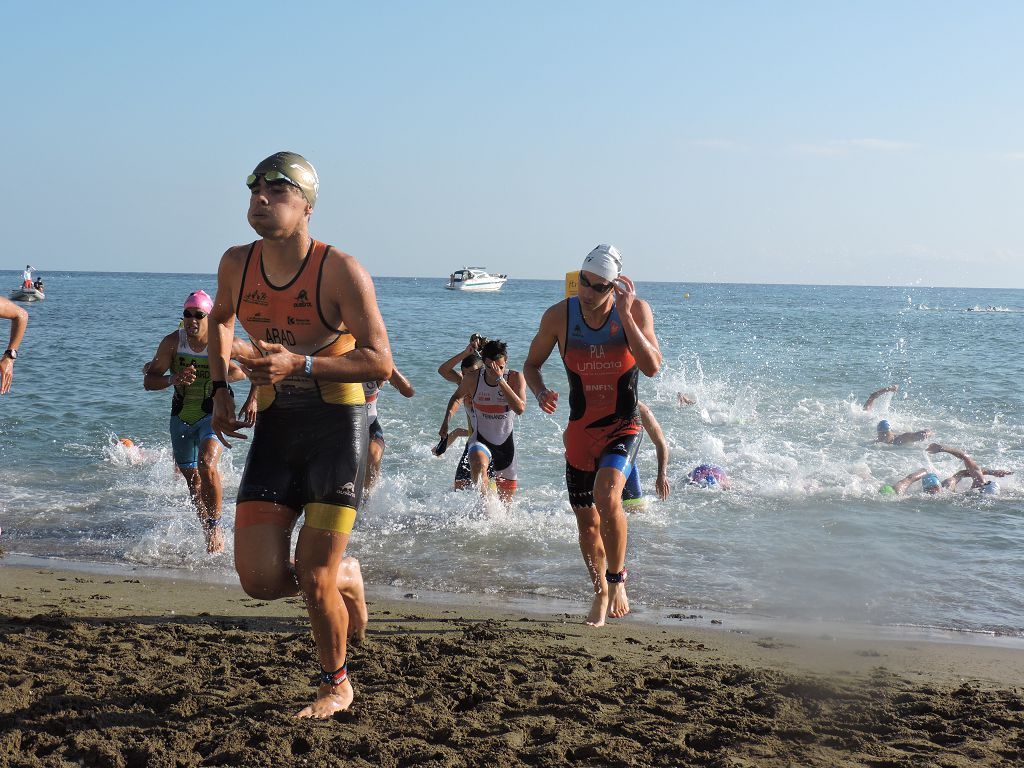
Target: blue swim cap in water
929,481
883,426
990,487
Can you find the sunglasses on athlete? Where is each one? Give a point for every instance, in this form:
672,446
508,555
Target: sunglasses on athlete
189,314
269,177
599,288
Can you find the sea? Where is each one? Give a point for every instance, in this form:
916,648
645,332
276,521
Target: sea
779,374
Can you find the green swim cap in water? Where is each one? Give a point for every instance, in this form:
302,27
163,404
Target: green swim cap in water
887,490
297,169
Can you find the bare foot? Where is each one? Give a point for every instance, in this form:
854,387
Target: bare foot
618,603
214,539
598,609
329,699
350,584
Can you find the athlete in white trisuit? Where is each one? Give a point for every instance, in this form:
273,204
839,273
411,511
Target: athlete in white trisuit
375,444
496,395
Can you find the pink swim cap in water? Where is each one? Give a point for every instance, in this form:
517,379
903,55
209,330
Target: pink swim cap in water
199,300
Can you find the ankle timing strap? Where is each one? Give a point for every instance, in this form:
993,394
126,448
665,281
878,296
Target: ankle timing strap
616,578
337,677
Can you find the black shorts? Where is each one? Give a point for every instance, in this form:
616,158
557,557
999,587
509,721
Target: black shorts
307,454
464,470
376,431
619,454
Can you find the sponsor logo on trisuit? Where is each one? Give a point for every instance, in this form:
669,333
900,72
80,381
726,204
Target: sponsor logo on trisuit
302,299
255,296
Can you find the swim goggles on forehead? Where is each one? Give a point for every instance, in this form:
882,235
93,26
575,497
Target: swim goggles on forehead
268,176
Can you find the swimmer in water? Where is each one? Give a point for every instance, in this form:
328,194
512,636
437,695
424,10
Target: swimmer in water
710,476
931,484
885,431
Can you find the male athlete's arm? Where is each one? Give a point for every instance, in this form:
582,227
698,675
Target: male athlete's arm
969,464
449,368
350,290
244,348
221,340
465,388
875,395
912,437
909,480
514,389
653,428
399,382
154,378
638,325
540,350
19,321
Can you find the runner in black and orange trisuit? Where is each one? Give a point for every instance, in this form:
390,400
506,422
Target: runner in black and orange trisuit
606,338
312,312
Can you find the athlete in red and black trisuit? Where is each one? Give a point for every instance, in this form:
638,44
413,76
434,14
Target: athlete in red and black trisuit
496,395
312,313
606,338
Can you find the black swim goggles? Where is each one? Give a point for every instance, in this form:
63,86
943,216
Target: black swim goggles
601,288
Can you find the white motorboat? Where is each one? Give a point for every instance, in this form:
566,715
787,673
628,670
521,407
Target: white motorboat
475,279
27,294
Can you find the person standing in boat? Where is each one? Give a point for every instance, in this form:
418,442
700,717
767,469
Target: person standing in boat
26,277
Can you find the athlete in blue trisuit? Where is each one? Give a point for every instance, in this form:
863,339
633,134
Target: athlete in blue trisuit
930,481
885,432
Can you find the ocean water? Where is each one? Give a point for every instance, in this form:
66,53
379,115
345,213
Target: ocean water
779,374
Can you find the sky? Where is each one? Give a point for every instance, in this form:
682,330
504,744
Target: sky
873,143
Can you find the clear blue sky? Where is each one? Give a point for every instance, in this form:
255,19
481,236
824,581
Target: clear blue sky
868,142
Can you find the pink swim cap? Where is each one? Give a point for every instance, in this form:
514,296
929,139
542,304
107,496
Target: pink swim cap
199,300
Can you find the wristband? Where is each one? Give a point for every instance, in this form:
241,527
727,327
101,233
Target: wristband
215,385
541,394
308,367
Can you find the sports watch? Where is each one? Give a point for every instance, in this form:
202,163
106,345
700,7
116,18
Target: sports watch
11,353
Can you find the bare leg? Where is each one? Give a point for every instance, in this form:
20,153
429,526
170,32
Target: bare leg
350,584
318,557
210,491
374,452
589,524
608,497
480,461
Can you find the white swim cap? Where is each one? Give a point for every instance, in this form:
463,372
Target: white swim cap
604,261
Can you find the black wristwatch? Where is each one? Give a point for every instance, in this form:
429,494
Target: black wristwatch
11,353
215,385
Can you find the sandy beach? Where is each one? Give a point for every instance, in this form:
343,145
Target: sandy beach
102,670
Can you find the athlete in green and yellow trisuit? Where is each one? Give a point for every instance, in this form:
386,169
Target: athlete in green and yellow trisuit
196,448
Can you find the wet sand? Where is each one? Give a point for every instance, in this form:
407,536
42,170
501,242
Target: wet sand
103,670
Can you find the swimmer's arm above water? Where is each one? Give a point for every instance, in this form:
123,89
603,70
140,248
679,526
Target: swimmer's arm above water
970,465
875,395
